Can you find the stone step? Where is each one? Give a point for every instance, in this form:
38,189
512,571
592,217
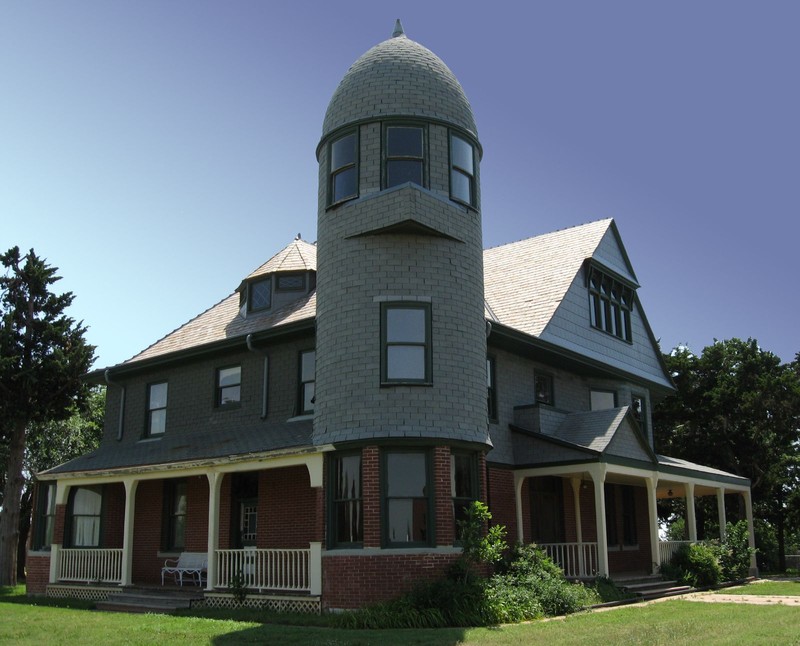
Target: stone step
149,600
645,586
666,592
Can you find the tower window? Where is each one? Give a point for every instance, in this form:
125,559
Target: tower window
344,168
462,171
347,521
406,499
260,292
406,347
405,158
308,362
610,305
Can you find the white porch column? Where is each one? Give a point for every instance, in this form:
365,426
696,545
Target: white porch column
652,513
691,516
315,568
214,485
598,474
721,512
127,533
576,497
751,537
518,480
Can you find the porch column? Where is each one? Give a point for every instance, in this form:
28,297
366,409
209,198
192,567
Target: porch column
652,513
576,497
315,568
214,485
721,513
127,533
691,516
751,537
598,480
518,500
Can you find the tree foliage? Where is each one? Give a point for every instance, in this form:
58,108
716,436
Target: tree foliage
43,355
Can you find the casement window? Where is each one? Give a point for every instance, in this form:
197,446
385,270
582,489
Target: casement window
610,305
347,521
156,409
259,296
343,169
407,505
406,343
45,516
462,170
463,485
602,399
291,282
491,389
305,395
85,515
547,509
228,388
639,410
543,385
404,153
175,512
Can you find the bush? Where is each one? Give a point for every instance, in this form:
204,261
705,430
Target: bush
735,552
695,565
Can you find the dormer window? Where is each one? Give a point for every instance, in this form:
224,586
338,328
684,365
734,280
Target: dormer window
291,282
462,171
405,158
343,169
610,304
259,295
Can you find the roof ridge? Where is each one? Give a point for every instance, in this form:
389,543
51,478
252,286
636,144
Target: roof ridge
550,233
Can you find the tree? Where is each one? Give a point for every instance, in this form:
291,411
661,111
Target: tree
43,355
737,408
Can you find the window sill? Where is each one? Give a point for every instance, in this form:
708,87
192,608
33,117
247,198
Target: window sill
155,438
393,384
301,418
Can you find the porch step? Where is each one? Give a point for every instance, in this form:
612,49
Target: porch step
149,600
652,587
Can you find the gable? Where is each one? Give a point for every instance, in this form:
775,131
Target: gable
627,443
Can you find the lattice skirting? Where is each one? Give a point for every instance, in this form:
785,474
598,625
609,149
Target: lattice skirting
308,605
83,592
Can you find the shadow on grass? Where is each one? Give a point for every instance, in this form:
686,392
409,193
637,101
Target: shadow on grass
17,594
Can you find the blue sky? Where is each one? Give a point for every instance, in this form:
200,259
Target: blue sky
157,152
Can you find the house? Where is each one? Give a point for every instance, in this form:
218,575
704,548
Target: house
318,432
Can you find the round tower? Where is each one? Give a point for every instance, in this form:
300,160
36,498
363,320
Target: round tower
401,333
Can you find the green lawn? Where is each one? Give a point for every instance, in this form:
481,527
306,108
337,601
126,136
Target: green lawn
768,588
669,623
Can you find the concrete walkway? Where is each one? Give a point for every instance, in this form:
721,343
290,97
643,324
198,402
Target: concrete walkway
755,599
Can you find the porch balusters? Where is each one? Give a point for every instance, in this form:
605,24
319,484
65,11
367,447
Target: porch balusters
270,569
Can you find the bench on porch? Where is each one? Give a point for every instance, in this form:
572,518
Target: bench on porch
192,564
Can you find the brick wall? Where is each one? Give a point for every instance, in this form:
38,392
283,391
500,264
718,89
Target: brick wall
147,532
113,515
37,572
371,495
501,500
290,506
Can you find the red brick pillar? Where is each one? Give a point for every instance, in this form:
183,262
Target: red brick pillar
445,531
371,495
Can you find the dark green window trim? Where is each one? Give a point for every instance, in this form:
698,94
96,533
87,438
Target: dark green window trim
345,508
343,175
420,523
464,487
228,386
407,347
400,160
462,170
176,507
610,304
45,518
157,398
259,294
306,368
491,388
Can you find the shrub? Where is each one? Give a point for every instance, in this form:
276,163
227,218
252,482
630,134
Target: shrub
695,565
735,552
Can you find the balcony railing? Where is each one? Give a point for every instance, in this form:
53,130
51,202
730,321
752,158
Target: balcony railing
273,569
90,565
667,549
578,560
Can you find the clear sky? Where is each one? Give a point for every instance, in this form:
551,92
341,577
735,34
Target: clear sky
157,152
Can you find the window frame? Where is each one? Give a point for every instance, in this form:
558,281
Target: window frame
427,345
474,485
339,170
387,158
294,274
550,390
151,409
428,497
45,519
301,384
71,517
641,415
250,285
169,542
611,303
218,388
454,168
335,500
547,495
491,388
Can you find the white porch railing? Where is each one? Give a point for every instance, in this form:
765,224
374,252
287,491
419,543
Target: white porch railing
576,559
667,549
90,565
274,569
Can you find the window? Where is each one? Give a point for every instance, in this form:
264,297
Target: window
463,485
175,508
347,522
462,171
406,351
629,516
543,385
610,493
491,394
291,283
229,386
405,159
306,390
343,169
86,506
156,408
45,516
610,304
248,522
603,399
406,499
639,410
547,509
260,296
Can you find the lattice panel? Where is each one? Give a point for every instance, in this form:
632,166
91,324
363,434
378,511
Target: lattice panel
82,592
309,605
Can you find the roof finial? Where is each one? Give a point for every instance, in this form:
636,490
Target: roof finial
398,29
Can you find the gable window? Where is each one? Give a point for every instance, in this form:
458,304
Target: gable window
291,283
463,485
406,351
308,360
156,409
491,389
543,385
603,399
406,499
85,512
45,516
462,170
175,511
347,522
343,169
260,295
639,410
610,305
229,386
405,158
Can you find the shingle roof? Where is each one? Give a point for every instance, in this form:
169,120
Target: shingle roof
592,429
297,256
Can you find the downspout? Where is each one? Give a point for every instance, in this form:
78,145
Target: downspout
110,382
265,387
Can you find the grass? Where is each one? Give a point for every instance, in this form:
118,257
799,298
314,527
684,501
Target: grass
672,623
767,588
